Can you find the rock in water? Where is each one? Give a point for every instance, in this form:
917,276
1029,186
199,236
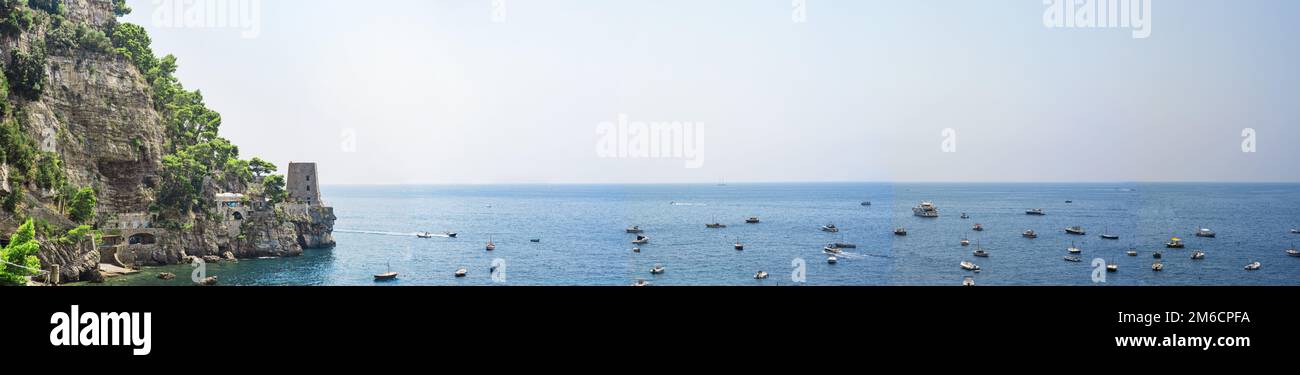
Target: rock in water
210,281
167,276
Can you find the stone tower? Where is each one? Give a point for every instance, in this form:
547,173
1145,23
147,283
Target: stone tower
303,185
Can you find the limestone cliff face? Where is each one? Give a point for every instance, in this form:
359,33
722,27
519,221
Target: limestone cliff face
96,113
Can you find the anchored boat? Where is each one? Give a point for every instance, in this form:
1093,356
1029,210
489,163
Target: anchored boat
926,209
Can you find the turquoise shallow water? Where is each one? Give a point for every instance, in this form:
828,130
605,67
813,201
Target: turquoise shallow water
581,228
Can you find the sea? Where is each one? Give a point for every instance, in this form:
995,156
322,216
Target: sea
581,237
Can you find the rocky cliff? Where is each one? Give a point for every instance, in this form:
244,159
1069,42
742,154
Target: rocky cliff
97,116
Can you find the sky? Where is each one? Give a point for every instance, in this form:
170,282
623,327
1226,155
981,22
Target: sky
532,91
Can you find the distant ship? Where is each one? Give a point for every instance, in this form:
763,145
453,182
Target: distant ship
926,209
1035,212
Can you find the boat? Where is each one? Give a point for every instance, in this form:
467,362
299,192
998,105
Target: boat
1175,243
1292,251
640,283
1157,266
535,240
1073,259
964,215
1076,230
1035,212
977,227
752,220
968,281
1029,234
490,245
900,231
1295,231
424,235
715,226
462,272
739,246
867,203
981,253
1112,267
1253,266
1074,249
965,242
641,240
390,275
761,275
635,229
657,270
636,250
1158,255
1069,202
969,266
832,250
1198,255
451,234
1206,233
1132,253
926,209
843,245
1109,237
832,260
830,228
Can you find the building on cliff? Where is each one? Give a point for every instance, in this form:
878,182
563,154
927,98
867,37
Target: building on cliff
303,186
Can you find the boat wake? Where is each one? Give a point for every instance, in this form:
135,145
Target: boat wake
688,204
398,234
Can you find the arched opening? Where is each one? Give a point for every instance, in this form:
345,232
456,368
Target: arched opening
238,216
142,239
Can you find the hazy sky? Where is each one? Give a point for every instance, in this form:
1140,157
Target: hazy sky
458,92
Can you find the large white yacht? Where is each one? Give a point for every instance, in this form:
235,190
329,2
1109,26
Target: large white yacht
926,209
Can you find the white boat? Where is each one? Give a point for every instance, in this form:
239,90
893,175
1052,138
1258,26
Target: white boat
752,220
965,242
1206,233
634,229
761,275
964,215
1198,255
640,283
832,260
1029,234
641,240
657,270
1132,253
1292,251
1076,230
462,272
424,235
1035,212
739,246
1175,243
969,266
977,227
1157,266
1295,231
968,281
1253,266
1074,249
926,209
900,231
386,276
981,253
1073,259
1112,267
831,228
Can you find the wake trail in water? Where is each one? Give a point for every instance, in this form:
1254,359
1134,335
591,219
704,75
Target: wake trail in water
379,233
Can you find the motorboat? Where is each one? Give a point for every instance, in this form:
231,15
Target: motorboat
968,281
462,272
1206,233
832,250
977,227
1198,255
1132,253
1158,255
1029,234
752,220
1035,212
969,266
926,209
451,234
830,228
1076,230
535,240
715,226
965,215
424,235
1253,266
866,204
1175,243
1073,259
657,270
641,240
739,246
900,231
1074,249
1292,251
965,242
844,245
1112,267
635,229
832,260
1295,231
761,275
636,250
640,283
1157,266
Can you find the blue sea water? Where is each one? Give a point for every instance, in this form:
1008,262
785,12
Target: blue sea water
581,228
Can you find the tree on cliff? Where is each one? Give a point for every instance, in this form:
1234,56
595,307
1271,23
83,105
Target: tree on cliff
82,208
261,167
273,188
20,256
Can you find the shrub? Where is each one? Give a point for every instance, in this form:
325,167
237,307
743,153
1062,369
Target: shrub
82,208
26,73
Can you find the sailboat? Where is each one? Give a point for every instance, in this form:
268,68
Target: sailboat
1293,252
390,275
490,245
739,246
1073,249
1108,236
980,252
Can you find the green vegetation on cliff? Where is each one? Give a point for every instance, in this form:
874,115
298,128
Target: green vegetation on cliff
20,256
